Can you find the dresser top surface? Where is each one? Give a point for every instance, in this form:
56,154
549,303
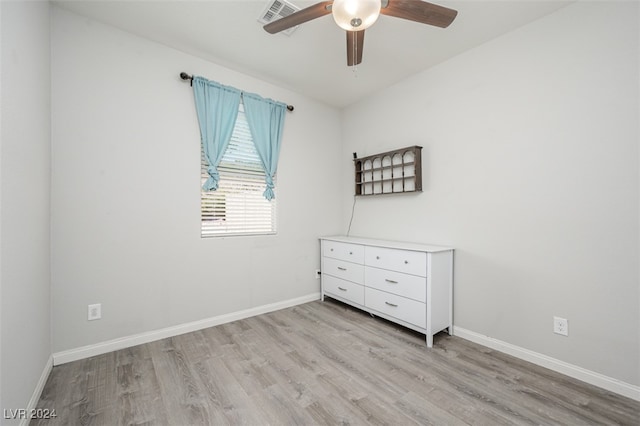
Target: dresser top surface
429,248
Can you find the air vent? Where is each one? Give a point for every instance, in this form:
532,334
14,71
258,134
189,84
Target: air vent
277,9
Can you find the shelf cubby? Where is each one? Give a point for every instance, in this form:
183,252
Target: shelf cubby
389,172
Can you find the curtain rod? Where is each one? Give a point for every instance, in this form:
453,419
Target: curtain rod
185,77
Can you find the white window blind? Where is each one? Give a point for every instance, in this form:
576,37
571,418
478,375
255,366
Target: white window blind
237,207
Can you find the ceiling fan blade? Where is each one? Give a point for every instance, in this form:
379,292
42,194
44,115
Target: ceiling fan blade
355,42
420,11
300,17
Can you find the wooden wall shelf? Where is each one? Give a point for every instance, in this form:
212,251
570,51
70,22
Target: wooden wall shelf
390,172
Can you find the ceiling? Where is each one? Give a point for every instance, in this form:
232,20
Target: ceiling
312,60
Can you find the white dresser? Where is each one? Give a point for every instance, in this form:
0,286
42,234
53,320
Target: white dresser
407,283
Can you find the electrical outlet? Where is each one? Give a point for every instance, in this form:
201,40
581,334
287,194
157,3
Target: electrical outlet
94,312
318,274
561,326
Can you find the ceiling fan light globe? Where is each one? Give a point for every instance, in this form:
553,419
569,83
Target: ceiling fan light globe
355,15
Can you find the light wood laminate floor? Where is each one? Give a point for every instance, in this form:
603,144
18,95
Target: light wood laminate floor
320,363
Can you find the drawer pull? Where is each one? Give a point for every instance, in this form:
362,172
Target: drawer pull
406,262
340,268
341,288
377,257
391,304
350,252
331,249
391,281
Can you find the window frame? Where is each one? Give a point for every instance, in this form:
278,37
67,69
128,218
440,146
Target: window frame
254,215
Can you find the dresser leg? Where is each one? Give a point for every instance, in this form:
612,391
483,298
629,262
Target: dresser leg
429,340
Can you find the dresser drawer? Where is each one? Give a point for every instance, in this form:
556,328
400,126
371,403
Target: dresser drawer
398,307
341,288
343,251
405,285
345,270
409,262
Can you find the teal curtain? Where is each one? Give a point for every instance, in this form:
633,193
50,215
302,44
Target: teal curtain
217,109
266,122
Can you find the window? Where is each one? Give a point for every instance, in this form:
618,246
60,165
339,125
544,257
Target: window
237,207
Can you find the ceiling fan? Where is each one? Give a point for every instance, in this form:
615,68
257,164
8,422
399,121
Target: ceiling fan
355,16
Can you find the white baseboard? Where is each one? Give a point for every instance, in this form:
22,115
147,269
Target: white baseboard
591,377
33,402
151,336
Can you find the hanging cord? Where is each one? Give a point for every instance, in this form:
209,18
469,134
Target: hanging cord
354,68
353,208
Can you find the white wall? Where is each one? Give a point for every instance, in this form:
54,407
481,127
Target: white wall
25,155
531,172
126,188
